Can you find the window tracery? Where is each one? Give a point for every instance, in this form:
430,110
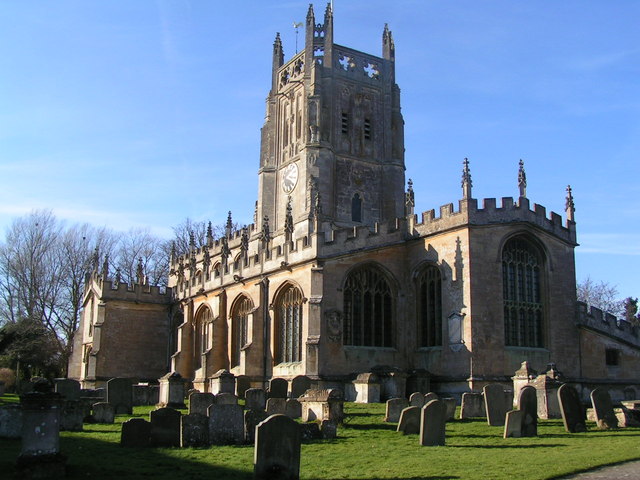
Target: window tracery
288,311
429,285
240,327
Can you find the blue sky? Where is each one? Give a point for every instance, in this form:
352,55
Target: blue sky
140,114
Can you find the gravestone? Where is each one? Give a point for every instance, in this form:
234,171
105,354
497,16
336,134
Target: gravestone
432,424
40,455
120,395
367,387
326,404
68,388
572,410
2,388
200,402
171,391
393,384
472,405
278,388
251,419
523,376
416,399
226,399
513,423
310,431
103,412
495,403
276,406
528,405
603,409
136,432
451,405
255,399
277,450
142,395
430,396
165,427
410,420
10,421
394,409
71,416
223,381
242,385
226,424
299,385
328,429
194,430
547,385
293,408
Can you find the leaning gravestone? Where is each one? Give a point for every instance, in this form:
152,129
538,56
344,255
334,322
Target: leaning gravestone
432,424
603,408
200,402
120,395
165,427
299,385
410,420
103,412
528,405
293,408
278,388
194,430
472,405
10,421
136,432
513,423
255,399
495,404
277,450
251,419
226,424
276,406
451,407
394,409
68,388
416,399
571,408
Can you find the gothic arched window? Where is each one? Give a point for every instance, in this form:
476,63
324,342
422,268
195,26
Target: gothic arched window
356,208
201,335
522,267
173,334
429,285
240,315
288,335
368,309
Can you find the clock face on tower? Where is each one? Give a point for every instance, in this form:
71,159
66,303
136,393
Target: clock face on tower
289,177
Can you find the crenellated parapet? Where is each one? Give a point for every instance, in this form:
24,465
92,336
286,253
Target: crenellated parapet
605,323
112,289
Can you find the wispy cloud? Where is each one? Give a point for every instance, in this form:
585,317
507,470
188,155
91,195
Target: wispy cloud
610,243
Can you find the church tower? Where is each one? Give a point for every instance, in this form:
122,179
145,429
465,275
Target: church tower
332,145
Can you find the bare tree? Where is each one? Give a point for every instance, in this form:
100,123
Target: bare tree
200,230
601,295
140,246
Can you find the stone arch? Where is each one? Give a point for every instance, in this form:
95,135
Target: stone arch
241,315
201,328
428,279
288,321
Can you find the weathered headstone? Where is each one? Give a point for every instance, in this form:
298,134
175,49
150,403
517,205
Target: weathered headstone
601,401
278,388
523,376
472,405
103,412
572,410
142,395
394,409
172,391
276,406
277,450
513,424
293,408
547,385
528,405
242,385
451,405
68,388
165,427
326,404
367,387
200,402
255,399
251,419
71,416
310,431
410,420
432,424
223,381
495,404
226,424
10,421
328,429
226,399
194,430
299,385
393,384
120,395
416,399
136,432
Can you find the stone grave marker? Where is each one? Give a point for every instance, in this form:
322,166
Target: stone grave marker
367,387
293,408
310,431
226,424
299,385
432,424
2,388
171,391
528,405
251,419
142,395
328,429
120,395
71,416
514,420
277,450
276,406
278,388
394,409
200,402
68,388
194,430
242,385
226,399
223,381
10,421
416,399
103,412
255,399
165,427
571,409
451,405
325,404
472,405
136,432
430,396
495,403
603,408
409,423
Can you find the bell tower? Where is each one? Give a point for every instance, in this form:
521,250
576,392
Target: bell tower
332,144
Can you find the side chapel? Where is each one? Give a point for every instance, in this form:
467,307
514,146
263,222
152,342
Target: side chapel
338,276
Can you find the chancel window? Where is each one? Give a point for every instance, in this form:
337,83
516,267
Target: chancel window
356,208
240,316
522,268
288,311
429,285
201,335
368,309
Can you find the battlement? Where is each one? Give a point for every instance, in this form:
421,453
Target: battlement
353,63
110,289
509,211
606,323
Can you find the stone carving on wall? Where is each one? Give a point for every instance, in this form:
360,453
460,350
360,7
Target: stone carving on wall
334,325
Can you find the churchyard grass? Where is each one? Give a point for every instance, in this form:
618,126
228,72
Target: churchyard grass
366,448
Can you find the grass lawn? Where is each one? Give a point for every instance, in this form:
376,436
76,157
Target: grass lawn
366,448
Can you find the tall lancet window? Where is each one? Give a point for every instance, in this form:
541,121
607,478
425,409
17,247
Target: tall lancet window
430,307
356,208
522,274
240,316
201,335
288,311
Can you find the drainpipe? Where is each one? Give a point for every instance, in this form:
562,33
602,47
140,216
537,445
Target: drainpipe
264,301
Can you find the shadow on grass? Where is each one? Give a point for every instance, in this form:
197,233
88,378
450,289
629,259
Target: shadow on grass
546,445
372,426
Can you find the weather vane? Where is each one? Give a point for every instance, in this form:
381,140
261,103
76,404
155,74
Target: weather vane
297,25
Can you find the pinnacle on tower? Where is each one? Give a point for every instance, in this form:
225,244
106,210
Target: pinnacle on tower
388,47
466,180
209,233
229,227
105,267
410,201
140,272
570,207
522,179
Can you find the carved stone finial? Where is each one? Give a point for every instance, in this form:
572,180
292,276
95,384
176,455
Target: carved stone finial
265,234
409,199
244,239
95,260
310,14
140,272
255,214
229,227
209,233
318,206
570,206
116,281
522,179
206,258
466,179
192,241
105,267
288,221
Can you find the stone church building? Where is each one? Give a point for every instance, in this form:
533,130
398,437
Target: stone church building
338,276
